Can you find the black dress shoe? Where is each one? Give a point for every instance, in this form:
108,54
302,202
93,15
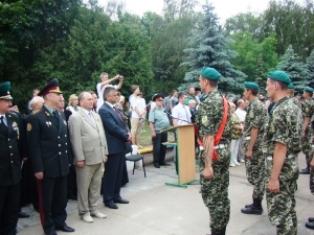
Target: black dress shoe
310,225
121,201
156,165
305,171
23,215
164,164
51,233
111,205
311,219
65,228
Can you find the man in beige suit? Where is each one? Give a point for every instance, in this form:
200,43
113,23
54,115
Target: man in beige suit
90,151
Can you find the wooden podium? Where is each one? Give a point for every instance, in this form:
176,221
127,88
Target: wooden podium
185,144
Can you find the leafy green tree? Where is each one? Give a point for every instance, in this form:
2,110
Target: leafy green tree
310,67
209,47
290,63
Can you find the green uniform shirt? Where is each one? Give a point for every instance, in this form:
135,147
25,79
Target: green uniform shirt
159,118
284,126
209,116
256,116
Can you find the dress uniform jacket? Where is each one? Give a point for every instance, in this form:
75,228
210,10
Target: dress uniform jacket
11,149
48,143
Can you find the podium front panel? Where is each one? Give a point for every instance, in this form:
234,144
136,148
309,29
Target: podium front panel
186,153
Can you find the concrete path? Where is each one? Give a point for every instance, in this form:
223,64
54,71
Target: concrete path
156,209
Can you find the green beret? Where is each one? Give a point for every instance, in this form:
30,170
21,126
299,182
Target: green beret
309,90
210,74
291,87
5,91
251,85
279,76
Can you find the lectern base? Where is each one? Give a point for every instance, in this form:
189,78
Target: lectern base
181,185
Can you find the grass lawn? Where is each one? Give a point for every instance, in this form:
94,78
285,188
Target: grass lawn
146,138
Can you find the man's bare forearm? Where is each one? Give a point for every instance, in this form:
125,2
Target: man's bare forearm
208,142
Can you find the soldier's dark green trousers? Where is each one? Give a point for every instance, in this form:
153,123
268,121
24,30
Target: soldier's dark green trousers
215,190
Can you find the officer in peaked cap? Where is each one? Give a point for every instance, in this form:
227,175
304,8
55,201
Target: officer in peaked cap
49,151
158,120
11,149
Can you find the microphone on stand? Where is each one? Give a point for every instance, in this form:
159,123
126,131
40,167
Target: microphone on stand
177,118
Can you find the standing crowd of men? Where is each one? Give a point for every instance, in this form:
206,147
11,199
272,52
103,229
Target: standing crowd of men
94,139
90,141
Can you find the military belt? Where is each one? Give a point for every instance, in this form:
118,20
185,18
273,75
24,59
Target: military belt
220,146
290,156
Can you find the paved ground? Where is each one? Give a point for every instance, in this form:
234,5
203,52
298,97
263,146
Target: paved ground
156,209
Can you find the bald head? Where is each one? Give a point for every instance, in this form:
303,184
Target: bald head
36,103
86,100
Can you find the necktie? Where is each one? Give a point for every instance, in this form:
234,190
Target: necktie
121,118
3,127
91,117
56,114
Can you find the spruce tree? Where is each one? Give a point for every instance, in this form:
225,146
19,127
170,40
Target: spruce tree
310,67
209,47
290,63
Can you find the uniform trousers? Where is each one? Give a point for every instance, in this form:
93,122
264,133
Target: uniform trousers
9,208
52,193
159,150
215,190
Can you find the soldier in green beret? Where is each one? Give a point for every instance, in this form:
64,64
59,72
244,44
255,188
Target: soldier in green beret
254,129
282,145
214,170
11,149
290,94
308,112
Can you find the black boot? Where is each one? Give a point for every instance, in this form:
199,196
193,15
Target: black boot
216,232
305,171
254,209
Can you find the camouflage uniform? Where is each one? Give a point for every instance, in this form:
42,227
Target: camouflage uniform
255,167
215,191
284,126
308,111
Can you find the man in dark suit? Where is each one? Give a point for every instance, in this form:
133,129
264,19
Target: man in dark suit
48,147
117,135
11,136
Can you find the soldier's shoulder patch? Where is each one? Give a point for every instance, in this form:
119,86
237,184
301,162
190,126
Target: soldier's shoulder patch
251,114
204,120
29,127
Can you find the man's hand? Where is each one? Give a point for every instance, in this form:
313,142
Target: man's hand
208,173
274,186
249,153
105,158
154,134
39,175
312,163
80,164
121,78
129,136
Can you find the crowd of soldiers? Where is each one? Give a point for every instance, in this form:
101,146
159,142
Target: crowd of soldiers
273,141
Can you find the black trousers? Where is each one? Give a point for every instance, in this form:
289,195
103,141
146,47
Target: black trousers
9,208
72,187
159,150
52,193
111,182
